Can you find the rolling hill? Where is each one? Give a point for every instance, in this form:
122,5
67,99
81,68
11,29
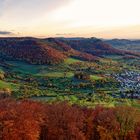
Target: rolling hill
93,46
125,44
56,50
30,50
98,47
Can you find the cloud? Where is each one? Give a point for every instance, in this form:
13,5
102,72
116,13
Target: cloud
5,33
64,34
27,16
29,9
1,6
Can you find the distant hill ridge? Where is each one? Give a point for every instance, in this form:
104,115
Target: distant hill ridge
125,44
99,47
55,50
30,50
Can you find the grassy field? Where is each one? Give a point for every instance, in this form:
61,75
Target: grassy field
8,85
96,77
58,74
18,66
57,82
71,61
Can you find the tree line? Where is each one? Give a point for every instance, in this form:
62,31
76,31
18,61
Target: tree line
29,120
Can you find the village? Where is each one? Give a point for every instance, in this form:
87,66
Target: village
129,84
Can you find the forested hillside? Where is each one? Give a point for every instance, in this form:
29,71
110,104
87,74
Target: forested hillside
53,50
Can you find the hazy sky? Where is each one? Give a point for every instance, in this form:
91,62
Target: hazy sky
70,18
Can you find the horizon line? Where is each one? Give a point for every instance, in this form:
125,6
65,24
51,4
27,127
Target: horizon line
43,37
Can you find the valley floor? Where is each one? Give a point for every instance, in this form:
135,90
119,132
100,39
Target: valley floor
109,82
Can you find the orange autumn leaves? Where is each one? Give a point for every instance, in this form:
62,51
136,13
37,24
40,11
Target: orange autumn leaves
28,120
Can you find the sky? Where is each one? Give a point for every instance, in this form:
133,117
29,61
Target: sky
70,18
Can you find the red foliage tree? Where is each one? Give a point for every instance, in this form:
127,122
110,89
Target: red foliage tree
137,131
19,120
28,120
63,122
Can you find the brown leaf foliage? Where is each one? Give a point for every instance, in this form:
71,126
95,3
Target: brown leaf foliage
28,120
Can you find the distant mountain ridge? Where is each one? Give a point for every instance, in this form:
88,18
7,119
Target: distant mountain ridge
30,50
40,51
93,46
56,50
98,47
125,44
